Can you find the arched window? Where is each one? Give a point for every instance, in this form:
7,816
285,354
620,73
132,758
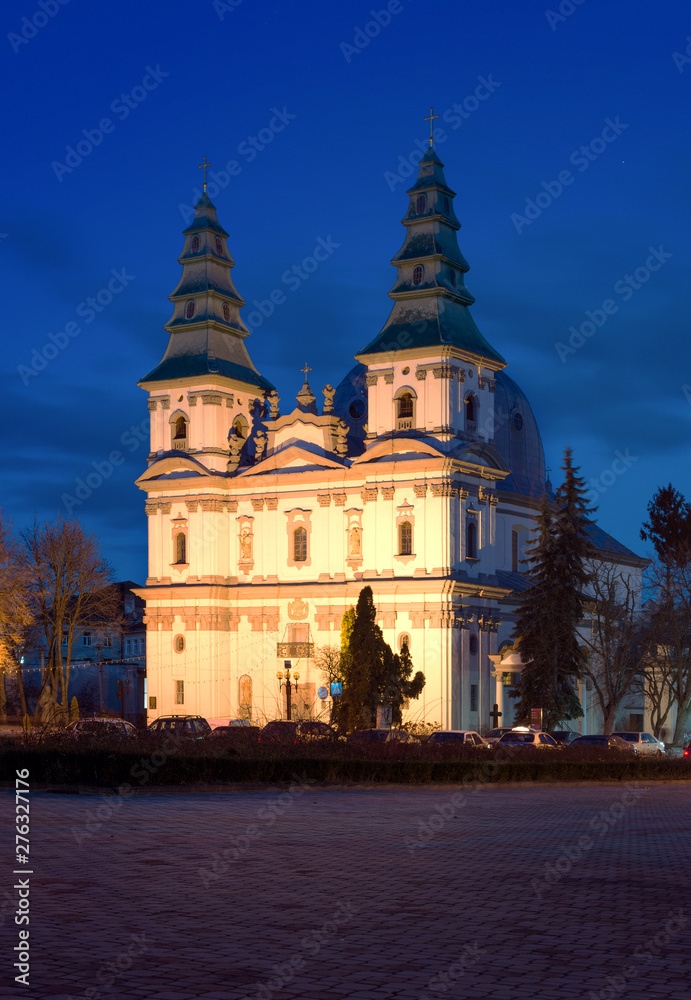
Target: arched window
218,242
240,426
189,309
405,538
417,274
180,428
226,312
405,405
195,244
420,204
180,548
403,640
299,545
470,408
471,540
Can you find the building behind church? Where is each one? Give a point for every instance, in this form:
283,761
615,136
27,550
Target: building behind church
419,475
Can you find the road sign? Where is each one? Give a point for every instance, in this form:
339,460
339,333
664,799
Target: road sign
336,689
323,693
536,718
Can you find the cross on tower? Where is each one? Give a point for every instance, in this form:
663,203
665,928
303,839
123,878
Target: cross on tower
305,370
203,166
430,118
495,715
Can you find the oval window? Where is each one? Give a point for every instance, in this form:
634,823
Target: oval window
189,309
357,409
179,643
417,274
517,421
226,312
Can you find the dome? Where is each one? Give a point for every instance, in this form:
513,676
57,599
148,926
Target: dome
517,439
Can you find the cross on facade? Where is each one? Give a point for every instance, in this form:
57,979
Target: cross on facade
430,118
495,715
203,166
305,370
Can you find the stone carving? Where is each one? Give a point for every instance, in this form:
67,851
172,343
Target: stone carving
274,400
259,445
298,610
342,438
235,443
329,393
355,542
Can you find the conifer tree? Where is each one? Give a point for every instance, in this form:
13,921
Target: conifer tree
552,606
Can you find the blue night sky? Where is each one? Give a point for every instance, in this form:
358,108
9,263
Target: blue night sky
318,128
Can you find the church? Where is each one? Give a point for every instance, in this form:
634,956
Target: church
420,474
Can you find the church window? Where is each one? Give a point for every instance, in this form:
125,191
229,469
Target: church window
219,245
403,640
446,205
226,312
179,643
195,244
299,545
421,204
517,421
180,428
405,405
357,409
189,309
472,645
405,538
471,541
417,274
180,548
179,692
470,408
241,427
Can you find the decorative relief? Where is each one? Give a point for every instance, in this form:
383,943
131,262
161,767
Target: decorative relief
355,543
493,499
152,404
274,400
340,499
192,398
192,505
446,489
298,610
421,374
271,503
245,540
229,401
369,493
463,494
420,489
212,399
165,402
461,374
324,499
388,378
165,506
387,492
341,438
215,505
151,507
257,503
232,506
444,371
484,381
328,392
371,378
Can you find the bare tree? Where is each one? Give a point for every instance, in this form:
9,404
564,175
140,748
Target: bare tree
70,593
328,660
614,639
16,616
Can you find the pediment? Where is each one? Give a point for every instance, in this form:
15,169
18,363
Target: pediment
400,448
167,468
482,454
292,458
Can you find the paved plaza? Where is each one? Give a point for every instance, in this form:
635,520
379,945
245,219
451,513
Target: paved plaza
364,894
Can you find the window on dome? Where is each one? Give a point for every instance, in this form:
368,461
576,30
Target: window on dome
417,274
471,540
420,204
189,309
226,312
357,409
299,545
405,538
195,244
218,242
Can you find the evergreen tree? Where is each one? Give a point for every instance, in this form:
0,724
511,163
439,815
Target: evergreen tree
372,673
669,526
552,608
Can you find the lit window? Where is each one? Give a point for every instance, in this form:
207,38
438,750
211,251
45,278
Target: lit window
421,204
226,312
179,692
219,245
180,428
86,638
417,274
405,405
180,548
189,309
299,545
471,541
195,244
152,702
179,643
405,538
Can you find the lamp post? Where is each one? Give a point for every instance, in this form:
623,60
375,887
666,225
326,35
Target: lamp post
290,683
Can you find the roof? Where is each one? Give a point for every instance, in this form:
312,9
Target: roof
195,365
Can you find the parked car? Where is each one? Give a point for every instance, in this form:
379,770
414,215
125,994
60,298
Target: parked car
312,731
235,735
466,736
686,752
187,726
644,743
564,737
241,722
101,726
614,743
283,732
494,735
527,738
381,736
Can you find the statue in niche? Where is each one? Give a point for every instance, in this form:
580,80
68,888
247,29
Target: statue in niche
274,400
329,393
245,545
355,542
259,445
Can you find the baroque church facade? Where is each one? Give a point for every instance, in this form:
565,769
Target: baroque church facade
419,475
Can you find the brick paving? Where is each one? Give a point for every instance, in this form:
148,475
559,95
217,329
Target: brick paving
538,894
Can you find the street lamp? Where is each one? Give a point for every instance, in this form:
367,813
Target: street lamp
289,685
